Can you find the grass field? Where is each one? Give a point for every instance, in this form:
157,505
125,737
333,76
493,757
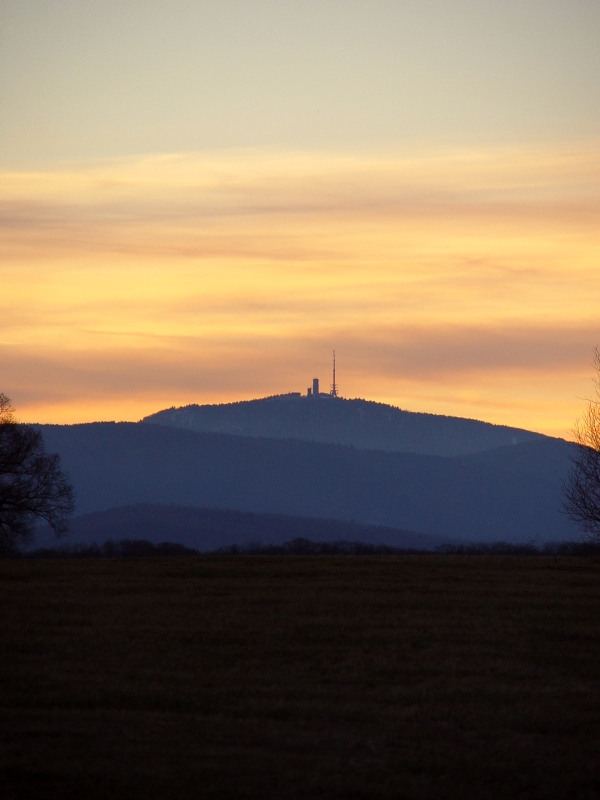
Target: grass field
423,677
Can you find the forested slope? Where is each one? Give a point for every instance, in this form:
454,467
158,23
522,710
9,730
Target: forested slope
361,423
511,494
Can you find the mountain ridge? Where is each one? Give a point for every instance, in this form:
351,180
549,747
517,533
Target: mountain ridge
482,497
207,529
364,424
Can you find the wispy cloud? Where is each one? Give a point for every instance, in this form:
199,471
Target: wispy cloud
130,283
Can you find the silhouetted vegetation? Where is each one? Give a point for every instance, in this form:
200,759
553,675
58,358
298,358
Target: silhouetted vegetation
141,548
579,549
124,548
32,485
582,487
305,547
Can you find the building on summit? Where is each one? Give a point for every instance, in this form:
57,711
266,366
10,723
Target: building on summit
315,392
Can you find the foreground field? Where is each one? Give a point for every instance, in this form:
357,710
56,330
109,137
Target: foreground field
246,677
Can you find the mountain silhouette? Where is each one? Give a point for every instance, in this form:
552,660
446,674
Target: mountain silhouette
360,423
511,493
206,529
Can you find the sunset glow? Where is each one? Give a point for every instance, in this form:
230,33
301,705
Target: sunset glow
461,282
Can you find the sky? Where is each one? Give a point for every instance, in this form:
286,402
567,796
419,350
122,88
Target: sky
199,201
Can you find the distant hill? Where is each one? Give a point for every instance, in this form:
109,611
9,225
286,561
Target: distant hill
360,423
511,493
206,529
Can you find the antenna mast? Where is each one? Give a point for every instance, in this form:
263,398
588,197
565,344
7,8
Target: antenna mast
334,388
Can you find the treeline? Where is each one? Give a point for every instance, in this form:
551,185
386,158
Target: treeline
306,547
124,548
141,548
508,549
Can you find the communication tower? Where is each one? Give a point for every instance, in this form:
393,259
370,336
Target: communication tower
334,388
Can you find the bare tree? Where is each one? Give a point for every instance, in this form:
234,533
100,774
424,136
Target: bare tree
582,487
32,485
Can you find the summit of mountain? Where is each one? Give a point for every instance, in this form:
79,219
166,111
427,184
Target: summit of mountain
363,424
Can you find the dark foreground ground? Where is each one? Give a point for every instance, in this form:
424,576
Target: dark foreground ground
320,677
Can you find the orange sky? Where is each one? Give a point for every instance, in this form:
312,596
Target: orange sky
460,282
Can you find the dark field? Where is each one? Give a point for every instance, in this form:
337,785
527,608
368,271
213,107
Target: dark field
319,677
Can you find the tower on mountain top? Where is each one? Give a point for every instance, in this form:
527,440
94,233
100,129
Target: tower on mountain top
314,390
334,388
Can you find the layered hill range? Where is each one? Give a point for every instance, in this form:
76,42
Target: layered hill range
343,469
